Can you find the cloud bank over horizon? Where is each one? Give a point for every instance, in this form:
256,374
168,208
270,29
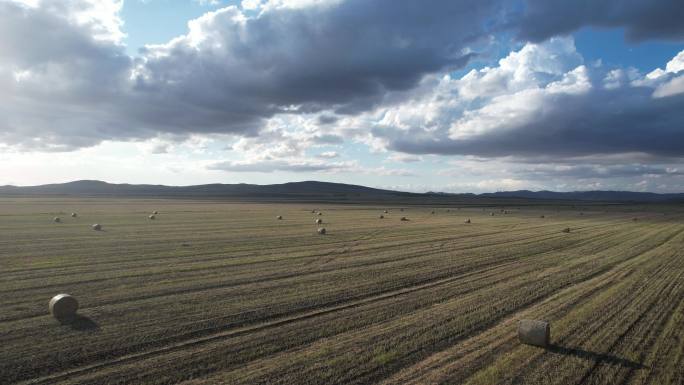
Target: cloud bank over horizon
347,88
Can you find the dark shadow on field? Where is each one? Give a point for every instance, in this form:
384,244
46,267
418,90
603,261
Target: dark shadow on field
81,323
597,357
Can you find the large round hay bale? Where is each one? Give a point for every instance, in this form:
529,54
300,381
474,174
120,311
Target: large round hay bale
467,221
386,212
74,215
534,332
313,211
279,217
320,213
57,219
404,219
566,230
152,217
319,221
97,227
321,231
382,216
491,214
542,217
432,212
155,212
63,307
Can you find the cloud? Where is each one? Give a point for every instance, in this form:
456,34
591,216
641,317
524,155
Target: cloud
641,19
328,155
539,101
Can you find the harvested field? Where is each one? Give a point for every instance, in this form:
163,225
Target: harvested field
219,292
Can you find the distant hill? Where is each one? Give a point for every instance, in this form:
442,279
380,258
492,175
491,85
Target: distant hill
318,190
99,188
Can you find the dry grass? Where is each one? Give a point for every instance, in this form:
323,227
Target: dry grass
218,293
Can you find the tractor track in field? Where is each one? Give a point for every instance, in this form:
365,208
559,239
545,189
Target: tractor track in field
248,329
284,319
413,254
274,251
613,270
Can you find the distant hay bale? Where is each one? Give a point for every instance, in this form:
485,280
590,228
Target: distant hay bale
74,215
635,219
404,219
505,211
534,332
319,221
566,230
279,217
63,307
321,231
382,216
542,217
97,227
57,219
152,217
467,221
432,212
320,213
491,214
155,212
386,212
313,211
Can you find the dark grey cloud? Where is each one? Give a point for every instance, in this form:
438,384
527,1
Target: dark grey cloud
65,88
58,81
229,75
625,120
642,19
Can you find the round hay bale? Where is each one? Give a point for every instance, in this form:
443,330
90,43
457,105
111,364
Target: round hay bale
404,219
534,332
321,231
57,219
566,230
152,217
279,217
74,215
155,212
319,221
97,227
382,216
491,214
635,219
320,213
386,212
432,212
63,307
467,220
313,211
542,217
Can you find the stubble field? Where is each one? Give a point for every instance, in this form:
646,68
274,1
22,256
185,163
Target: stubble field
224,293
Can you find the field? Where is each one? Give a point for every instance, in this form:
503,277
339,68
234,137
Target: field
223,293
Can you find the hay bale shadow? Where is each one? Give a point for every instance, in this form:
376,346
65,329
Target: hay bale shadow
596,357
80,323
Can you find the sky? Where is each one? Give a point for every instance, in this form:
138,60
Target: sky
447,95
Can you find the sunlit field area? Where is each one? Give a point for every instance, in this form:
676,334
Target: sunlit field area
219,292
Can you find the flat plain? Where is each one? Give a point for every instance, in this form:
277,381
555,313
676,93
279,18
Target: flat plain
224,293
